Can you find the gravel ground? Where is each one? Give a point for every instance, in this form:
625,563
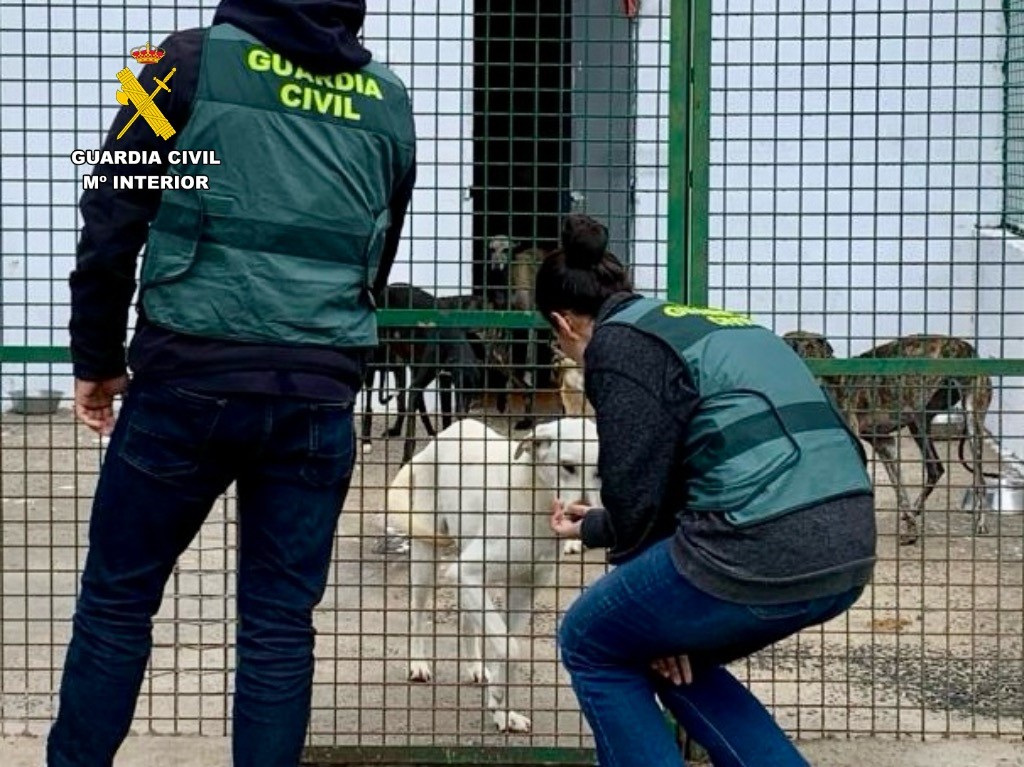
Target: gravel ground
156,751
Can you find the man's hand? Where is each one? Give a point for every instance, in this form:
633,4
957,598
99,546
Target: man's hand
94,402
676,669
566,519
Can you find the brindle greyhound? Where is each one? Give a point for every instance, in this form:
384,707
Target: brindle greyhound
878,406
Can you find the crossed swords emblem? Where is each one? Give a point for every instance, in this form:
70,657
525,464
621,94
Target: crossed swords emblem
143,102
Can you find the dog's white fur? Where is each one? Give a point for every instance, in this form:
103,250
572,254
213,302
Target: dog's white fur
490,498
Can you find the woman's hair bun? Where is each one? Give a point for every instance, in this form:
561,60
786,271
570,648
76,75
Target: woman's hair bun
584,241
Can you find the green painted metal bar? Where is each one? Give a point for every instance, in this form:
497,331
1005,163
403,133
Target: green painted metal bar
459,318
449,318
846,366
689,150
35,354
678,160
905,365
429,756
699,153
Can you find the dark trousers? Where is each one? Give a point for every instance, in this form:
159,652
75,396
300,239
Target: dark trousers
646,610
172,454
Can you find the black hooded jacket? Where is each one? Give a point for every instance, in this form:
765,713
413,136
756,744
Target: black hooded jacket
318,35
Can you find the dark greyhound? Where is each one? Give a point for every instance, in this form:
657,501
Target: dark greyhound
444,354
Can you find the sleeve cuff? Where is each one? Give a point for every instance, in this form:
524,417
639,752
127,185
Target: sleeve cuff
105,371
596,530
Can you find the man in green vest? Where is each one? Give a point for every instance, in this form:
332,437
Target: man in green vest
283,185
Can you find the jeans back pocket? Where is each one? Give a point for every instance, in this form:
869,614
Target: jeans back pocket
169,430
331,454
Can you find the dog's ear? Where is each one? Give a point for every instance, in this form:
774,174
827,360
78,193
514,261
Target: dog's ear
809,345
522,447
539,439
527,445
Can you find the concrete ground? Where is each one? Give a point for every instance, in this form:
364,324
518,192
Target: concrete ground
155,751
934,648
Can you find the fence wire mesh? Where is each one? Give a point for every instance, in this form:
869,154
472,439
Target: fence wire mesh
1013,194
857,182
857,194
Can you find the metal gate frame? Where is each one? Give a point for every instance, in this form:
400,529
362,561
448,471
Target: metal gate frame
686,262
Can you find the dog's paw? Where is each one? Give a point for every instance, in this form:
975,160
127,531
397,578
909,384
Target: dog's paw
476,673
419,671
573,547
510,721
908,537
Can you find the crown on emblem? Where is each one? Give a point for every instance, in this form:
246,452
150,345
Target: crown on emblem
147,54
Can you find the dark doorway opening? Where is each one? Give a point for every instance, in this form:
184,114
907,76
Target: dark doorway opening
522,129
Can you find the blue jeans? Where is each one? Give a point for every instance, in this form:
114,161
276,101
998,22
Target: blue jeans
172,453
645,610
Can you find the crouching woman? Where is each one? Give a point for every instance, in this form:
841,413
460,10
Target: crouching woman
736,507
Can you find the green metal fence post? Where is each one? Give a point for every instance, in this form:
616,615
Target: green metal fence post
689,129
699,150
689,154
678,156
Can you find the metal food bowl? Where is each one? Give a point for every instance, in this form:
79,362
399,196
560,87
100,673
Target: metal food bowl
43,402
949,424
1004,496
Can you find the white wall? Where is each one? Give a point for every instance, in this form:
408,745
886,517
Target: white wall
650,246
1000,324
430,46
854,142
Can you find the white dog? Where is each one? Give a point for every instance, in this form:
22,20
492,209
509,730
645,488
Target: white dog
491,498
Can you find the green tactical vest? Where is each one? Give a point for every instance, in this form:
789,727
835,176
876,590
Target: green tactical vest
765,440
285,244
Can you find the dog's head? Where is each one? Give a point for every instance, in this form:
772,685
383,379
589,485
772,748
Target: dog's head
500,249
564,454
810,346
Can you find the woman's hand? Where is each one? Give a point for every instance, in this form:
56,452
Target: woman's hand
566,519
676,669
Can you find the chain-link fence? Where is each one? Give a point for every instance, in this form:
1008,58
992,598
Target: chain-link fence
836,169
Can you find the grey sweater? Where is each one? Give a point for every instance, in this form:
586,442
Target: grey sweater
643,399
